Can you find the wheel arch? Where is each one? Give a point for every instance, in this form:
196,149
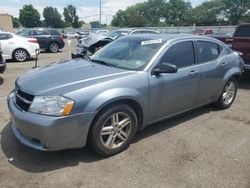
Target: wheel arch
134,104
20,48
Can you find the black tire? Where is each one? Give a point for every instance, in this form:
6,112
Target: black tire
20,55
221,102
54,47
96,140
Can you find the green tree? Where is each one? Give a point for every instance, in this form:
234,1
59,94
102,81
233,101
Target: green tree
176,12
235,10
29,16
70,17
208,13
52,18
15,22
154,10
133,16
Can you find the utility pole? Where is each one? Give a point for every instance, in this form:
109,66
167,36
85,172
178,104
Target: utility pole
100,12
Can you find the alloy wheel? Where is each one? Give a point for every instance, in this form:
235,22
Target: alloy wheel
116,130
54,47
229,93
20,55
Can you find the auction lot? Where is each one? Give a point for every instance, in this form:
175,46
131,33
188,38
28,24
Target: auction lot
201,148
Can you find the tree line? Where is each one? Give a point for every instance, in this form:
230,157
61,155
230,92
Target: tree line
153,13
30,17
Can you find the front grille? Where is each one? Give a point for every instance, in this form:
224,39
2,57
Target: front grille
23,100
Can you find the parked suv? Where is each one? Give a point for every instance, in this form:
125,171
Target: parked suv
132,82
48,39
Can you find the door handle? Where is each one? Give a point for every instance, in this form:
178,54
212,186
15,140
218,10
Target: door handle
193,72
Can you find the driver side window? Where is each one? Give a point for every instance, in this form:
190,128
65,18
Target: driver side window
180,54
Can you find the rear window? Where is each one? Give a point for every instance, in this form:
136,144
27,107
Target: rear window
53,32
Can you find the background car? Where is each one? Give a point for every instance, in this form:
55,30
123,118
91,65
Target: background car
48,39
130,31
102,32
71,35
2,63
18,48
93,42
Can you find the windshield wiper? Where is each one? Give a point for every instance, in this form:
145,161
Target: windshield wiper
102,62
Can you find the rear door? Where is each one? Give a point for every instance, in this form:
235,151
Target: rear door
212,69
175,92
42,38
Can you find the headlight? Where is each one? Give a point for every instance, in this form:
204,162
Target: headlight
51,105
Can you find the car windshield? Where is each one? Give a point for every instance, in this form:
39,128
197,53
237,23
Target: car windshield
116,34
128,53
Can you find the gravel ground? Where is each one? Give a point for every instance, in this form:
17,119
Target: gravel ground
201,148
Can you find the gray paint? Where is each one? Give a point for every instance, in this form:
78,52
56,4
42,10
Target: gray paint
92,86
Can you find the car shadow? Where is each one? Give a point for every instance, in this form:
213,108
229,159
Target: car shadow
35,161
244,82
1,80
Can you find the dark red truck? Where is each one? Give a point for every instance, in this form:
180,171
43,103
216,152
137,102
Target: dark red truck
240,42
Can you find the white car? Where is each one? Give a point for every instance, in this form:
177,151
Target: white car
18,48
71,35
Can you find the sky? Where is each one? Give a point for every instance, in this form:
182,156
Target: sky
87,10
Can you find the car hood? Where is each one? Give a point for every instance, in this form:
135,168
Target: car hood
64,77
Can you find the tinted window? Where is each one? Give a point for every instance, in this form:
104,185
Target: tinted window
53,32
41,33
181,54
243,31
5,36
26,33
208,51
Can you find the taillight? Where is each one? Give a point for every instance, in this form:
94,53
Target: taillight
32,40
61,37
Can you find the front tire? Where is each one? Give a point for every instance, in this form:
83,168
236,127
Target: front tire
228,94
113,130
20,55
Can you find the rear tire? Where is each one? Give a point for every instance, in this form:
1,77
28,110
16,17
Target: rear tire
53,47
20,55
228,94
113,130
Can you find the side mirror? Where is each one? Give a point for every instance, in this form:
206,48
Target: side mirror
165,68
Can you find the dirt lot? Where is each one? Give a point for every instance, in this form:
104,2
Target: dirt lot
202,148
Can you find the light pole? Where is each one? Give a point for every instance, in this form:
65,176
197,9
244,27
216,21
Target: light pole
100,12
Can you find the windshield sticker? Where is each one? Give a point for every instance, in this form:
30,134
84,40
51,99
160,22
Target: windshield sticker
156,41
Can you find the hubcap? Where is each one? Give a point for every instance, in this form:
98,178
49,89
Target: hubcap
229,93
54,47
116,130
20,55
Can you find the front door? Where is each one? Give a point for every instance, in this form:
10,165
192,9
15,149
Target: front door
175,92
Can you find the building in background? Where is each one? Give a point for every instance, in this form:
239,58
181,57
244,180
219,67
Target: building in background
6,22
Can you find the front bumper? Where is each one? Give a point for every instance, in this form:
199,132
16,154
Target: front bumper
48,132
